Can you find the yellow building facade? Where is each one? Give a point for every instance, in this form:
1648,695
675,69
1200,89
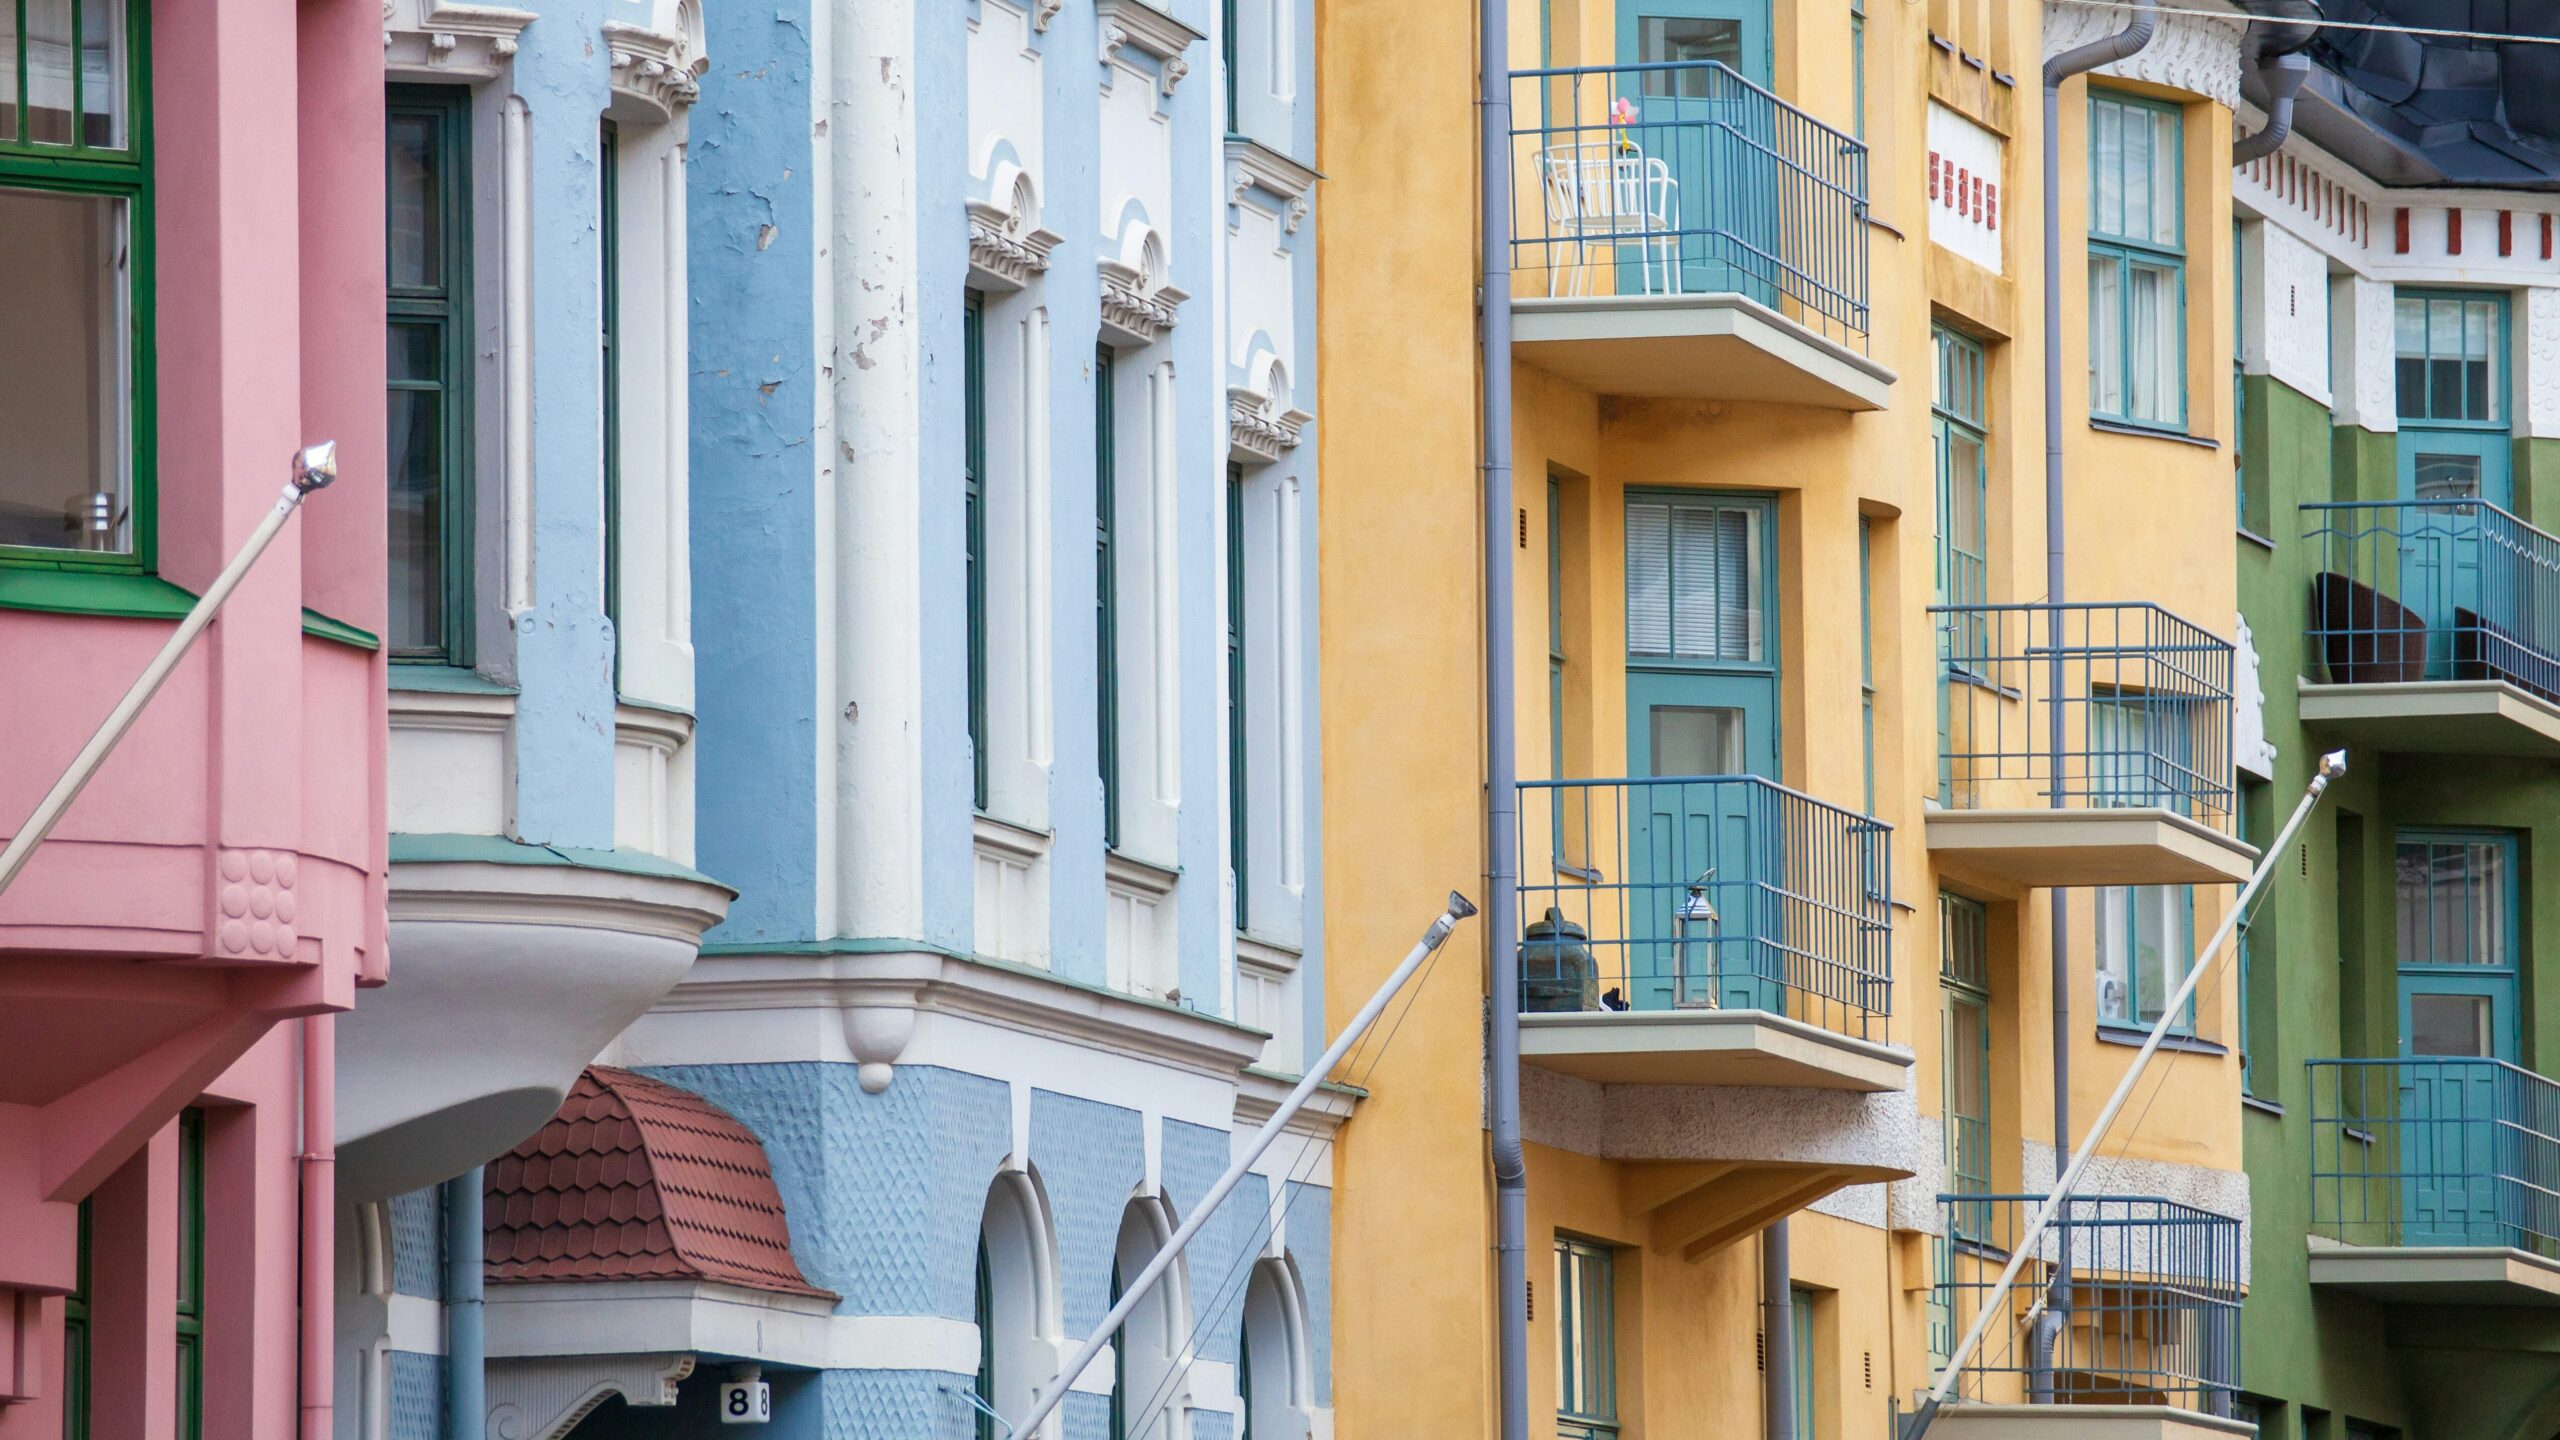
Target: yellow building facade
1793,822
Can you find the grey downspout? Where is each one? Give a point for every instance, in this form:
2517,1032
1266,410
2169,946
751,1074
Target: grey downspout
2283,76
466,1403
2075,61
1778,1332
1502,791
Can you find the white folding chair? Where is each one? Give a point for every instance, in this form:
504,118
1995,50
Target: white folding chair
1611,192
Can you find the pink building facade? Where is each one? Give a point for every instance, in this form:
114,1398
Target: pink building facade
191,227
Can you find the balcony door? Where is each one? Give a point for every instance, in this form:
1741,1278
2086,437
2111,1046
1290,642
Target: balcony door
2456,898
1702,702
2454,445
1714,140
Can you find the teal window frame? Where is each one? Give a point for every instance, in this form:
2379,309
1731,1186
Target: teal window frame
973,526
1228,47
1239,674
1555,666
1800,1327
446,306
1867,659
2497,379
2511,940
190,1253
609,330
1586,1340
126,174
1119,1364
1858,68
2127,250
984,1311
2128,937
1106,589
1759,515
1958,411
2239,380
76,1353
1964,977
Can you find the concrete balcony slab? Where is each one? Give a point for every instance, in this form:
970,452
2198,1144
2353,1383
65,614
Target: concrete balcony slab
2016,850
2081,1422
2437,717
2437,1275
1693,347
1708,1047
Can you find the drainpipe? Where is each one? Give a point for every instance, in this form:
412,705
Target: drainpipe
1501,787
466,1403
2075,61
2280,31
319,1213
1778,1332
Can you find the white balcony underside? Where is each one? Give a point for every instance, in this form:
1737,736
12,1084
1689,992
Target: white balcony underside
1708,1047
506,980
2437,717
2081,1422
2437,1275
1703,347
2012,850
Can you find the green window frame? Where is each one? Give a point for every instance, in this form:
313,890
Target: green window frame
1586,1340
1800,1326
2449,352
609,330
2145,942
1964,977
106,155
984,1312
1867,659
1228,44
973,489
1119,1365
190,1308
1106,589
75,1337
1555,666
428,270
1239,744
2137,262
1961,436
1858,68
2239,381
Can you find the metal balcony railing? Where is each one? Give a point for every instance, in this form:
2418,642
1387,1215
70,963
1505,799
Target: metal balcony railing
1686,178
2145,699
1705,892
2151,1315
2443,1151
2435,590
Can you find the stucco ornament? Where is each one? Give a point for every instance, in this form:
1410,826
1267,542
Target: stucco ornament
2187,52
1138,303
1252,166
541,1399
2250,748
1007,246
660,64
1134,25
1262,424
450,39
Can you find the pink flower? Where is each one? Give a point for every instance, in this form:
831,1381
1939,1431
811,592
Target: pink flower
1622,111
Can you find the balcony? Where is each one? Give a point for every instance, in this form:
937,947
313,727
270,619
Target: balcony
1680,232
2435,1181
1707,930
2144,1341
2083,745
2437,627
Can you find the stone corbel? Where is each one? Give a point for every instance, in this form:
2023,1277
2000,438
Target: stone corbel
456,38
1008,247
545,1398
1260,429
1136,25
879,1023
1044,11
656,68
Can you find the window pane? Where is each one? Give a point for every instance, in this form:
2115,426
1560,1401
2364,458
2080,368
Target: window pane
1648,579
2151,330
64,404
2115,962
2449,1025
8,72
2106,336
102,73
1686,39
1967,568
2447,477
49,67
1697,591
416,203
416,475
2109,164
2167,209
1697,740
2137,176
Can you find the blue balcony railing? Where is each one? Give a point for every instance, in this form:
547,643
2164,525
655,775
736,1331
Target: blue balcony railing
2435,590
2441,1151
1707,892
2145,699
2151,1314
1686,178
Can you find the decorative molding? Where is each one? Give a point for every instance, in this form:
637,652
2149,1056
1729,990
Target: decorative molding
450,39
1044,11
1132,24
581,897
1007,246
254,904
1252,165
1259,427
1258,1097
2251,750
2541,327
544,1399
1134,311
2187,52
656,67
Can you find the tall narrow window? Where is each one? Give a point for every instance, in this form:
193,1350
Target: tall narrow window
973,381
2146,938
1119,1367
2137,262
75,1338
75,244
2239,380
1964,974
190,1376
1228,38
1957,418
1586,1341
1239,747
1858,68
1106,594
1867,657
1800,1322
608,326
984,1312
1555,666
429,469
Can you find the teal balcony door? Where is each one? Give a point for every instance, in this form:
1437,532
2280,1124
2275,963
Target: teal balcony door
1702,691
2454,445
1713,140
2457,911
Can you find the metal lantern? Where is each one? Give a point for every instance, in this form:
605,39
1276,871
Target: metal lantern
1556,969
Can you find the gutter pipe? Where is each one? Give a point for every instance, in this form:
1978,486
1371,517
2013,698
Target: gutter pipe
2279,31
466,1343
2078,60
1501,748
319,1212
1777,1335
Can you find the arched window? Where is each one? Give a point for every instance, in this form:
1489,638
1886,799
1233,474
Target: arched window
1017,1300
1273,1378
1147,1394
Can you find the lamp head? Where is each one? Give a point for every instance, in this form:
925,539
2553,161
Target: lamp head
2333,764
315,466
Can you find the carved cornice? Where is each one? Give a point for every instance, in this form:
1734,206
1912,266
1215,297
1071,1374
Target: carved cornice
1131,24
1252,165
1136,314
453,39
1006,249
655,67
541,1399
2187,52
1044,11
1259,427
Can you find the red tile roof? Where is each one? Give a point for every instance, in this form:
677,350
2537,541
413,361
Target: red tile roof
635,1179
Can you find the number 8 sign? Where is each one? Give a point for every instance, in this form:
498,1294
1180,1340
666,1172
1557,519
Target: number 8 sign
746,1402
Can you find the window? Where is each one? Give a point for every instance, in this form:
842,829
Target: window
1119,1363
1587,1347
2239,382
1956,411
2448,349
1964,972
1694,582
1227,38
1239,751
1270,1361
75,1338
1858,68
1867,656
1106,595
609,322
2146,939
973,382
2454,900
985,1316
75,242
1147,1353
2255,930
190,1371
429,474
1017,1299
1800,1323
2137,262
2141,747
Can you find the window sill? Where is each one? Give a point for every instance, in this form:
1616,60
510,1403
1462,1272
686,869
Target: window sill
2263,1107
124,595
445,680
2111,1034
2150,432
2254,538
